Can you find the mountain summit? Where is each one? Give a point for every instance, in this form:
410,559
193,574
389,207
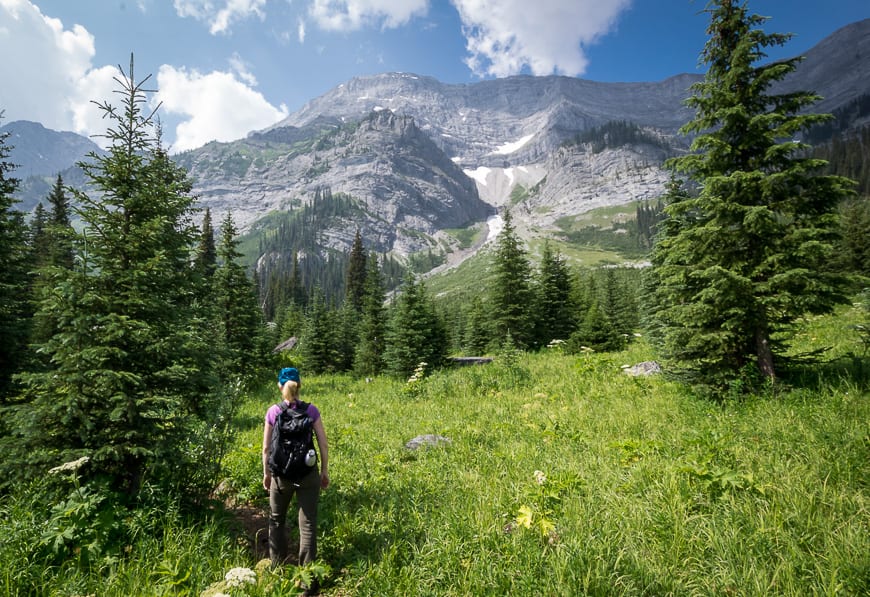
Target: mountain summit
417,158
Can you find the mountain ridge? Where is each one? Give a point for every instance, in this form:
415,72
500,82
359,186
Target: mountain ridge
421,157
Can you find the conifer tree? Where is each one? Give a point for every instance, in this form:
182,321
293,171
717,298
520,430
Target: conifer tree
236,304
39,242
478,335
511,295
130,372
595,332
619,303
739,263
415,334
369,356
554,307
317,341
14,279
53,256
355,280
60,229
206,251
853,254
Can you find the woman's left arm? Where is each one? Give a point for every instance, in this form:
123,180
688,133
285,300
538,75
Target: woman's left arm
323,448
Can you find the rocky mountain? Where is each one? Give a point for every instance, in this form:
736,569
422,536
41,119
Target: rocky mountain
405,186
421,158
513,137
40,151
40,154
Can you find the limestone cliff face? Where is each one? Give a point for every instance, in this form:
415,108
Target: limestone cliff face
406,187
420,157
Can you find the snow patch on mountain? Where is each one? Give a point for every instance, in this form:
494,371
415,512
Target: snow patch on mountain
509,148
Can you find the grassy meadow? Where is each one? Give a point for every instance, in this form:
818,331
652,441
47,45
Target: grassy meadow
562,476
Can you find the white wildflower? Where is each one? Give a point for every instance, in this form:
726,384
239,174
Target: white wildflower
238,577
70,466
540,477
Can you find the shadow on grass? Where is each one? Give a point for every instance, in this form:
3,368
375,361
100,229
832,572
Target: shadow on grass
242,423
850,369
349,545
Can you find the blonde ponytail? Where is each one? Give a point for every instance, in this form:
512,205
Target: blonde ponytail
290,391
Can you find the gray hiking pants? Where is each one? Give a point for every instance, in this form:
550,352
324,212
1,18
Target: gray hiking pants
307,491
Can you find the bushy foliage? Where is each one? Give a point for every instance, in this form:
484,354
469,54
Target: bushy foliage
740,262
511,298
14,278
129,368
414,333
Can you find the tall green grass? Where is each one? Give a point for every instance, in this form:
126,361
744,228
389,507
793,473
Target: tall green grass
562,476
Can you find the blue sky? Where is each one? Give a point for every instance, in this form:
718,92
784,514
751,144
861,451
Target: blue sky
226,67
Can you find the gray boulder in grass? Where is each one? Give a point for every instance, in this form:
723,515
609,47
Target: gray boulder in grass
428,440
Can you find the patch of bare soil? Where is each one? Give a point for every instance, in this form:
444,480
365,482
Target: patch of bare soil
253,523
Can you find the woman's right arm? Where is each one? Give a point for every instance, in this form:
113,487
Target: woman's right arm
267,443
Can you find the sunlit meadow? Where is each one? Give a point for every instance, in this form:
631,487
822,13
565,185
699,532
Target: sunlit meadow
562,475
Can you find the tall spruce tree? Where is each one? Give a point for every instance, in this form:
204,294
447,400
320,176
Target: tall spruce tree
555,310
739,263
39,242
206,251
355,279
511,295
53,256
369,356
235,300
130,368
415,334
317,343
59,226
15,311
478,334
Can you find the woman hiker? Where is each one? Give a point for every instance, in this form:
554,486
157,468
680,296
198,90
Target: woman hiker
283,484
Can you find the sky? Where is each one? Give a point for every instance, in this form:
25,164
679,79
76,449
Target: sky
223,68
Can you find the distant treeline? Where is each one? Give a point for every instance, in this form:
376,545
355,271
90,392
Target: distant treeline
294,261
848,154
617,133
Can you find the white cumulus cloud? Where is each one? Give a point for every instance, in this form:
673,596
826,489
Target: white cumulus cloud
216,106
547,36
350,15
46,71
220,14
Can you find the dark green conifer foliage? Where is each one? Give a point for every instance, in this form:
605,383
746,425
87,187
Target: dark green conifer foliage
739,263
235,299
511,296
595,332
60,229
369,356
355,281
853,254
347,320
478,334
206,251
317,343
415,334
39,241
15,311
555,308
53,256
130,369
619,302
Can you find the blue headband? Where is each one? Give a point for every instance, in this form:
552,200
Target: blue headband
288,374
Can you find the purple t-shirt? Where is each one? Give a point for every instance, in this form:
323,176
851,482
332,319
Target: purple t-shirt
272,413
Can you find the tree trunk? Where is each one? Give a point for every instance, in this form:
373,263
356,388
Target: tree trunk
765,355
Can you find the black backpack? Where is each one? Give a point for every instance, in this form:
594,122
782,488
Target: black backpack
292,440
